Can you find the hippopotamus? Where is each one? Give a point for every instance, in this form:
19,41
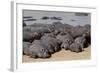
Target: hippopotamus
74,47
40,30
31,36
28,36
65,45
61,27
31,31
79,30
26,46
37,50
78,44
51,43
88,34
66,39
81,41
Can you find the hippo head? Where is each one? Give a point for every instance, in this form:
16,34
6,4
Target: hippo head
65,45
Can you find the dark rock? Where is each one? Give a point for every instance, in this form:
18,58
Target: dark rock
31,19
56,18
45,18
27,17
24,24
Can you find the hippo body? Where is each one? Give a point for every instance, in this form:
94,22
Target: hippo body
26,46
74,47
80,30
81,41
29,35
51,43
37,50
66,40
78,44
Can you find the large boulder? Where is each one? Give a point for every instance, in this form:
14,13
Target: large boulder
24,24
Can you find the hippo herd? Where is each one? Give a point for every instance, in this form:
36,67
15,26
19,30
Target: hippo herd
43,40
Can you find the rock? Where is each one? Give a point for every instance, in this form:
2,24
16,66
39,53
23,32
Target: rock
45,18
56,18
24,24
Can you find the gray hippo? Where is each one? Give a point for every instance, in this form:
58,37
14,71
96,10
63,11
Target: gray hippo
37,50
79,30
30,36
66,39
78,44
81,41
74,47
51,43
61,27
40,29
26,46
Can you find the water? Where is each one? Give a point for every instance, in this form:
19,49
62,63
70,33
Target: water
67,17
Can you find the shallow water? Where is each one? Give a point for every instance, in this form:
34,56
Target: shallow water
67,17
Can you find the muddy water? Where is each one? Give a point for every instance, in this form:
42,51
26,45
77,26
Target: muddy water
62,55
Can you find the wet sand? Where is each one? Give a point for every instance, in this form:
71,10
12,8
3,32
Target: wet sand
62,55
